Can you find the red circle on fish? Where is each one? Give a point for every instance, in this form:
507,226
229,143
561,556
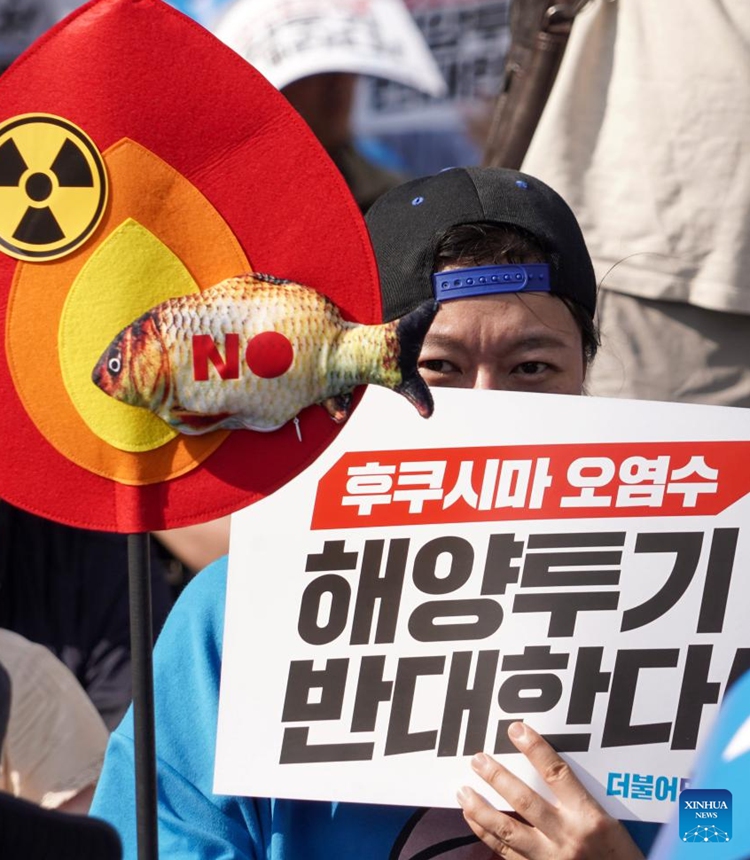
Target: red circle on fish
269,354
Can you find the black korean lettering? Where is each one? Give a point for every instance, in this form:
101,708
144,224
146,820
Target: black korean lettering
303,678
696,692
499,573
503,745
312,627
588,680
478,618
569,741
564,608
535,657
473,699
398,738
740,665
460,555
343,32
297,749
385,591
591,565
333,557
372,689
686,547
541,657
346,34
302,36
718,578
547,684
618,731
274,47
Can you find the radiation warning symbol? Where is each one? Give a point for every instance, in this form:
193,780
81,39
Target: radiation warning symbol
53,187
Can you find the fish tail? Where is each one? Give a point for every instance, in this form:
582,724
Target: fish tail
410,332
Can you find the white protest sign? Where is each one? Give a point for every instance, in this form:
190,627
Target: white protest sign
286,40
573,562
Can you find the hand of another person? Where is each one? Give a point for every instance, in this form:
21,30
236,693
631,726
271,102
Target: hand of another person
575,828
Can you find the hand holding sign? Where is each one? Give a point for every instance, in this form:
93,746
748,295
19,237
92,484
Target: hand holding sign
577,828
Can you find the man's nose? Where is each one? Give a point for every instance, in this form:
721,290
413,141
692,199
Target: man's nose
489,378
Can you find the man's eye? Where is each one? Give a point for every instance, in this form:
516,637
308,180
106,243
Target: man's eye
531,368
438,365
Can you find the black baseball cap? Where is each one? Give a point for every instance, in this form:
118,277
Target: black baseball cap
407,223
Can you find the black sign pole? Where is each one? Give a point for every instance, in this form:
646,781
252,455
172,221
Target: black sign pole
141,645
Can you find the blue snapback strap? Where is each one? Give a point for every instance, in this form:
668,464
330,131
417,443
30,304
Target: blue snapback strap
486,280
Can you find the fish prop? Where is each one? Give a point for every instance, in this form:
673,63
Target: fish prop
253,351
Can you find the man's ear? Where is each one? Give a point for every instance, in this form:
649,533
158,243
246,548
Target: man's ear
586,365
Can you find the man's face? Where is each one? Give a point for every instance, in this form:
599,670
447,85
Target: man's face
505,342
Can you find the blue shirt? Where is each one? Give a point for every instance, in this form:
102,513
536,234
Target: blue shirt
195,823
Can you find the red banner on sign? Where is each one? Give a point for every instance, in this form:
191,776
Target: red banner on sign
523,482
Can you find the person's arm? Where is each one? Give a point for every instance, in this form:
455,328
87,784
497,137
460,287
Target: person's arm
193,822
573,828
80,803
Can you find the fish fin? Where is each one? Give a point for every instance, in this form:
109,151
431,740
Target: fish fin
247,426
338,406
195,423
411,330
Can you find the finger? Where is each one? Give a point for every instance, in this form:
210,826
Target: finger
554,770
506,836
526,802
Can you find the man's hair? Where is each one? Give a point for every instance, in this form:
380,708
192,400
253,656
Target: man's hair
407,222
487,243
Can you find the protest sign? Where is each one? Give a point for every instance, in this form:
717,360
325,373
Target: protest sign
568,561
286,40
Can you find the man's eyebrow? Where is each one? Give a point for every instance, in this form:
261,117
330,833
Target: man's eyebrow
443,339
538,340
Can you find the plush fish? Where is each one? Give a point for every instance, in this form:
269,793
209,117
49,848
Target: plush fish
253,351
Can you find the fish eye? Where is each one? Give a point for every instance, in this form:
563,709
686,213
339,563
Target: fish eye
114,363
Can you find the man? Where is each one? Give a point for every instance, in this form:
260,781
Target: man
538,338
505,257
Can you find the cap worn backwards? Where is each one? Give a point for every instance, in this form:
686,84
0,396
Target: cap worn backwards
407,223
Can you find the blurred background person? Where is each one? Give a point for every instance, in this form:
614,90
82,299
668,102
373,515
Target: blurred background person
53,747
36,833
411,127
314,52
67,589
646,133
